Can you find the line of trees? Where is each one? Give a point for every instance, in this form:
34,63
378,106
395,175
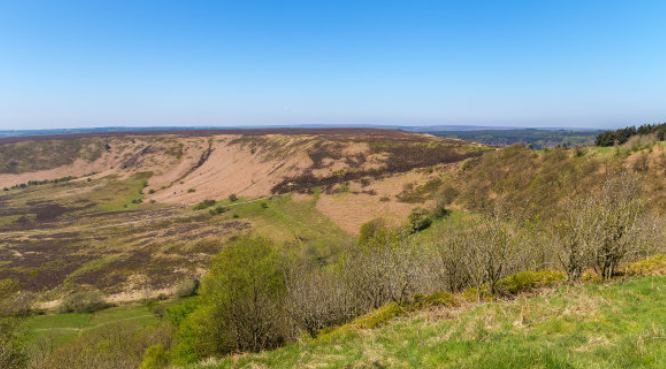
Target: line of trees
622,135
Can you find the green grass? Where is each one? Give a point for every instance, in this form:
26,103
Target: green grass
588,326
289,221
63,328
118,195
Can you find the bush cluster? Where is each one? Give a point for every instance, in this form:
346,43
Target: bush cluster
204,204
187,288
83,302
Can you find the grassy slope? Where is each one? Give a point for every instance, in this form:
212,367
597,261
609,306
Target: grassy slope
588,326
63,328
286,220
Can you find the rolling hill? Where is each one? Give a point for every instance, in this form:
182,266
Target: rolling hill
117,211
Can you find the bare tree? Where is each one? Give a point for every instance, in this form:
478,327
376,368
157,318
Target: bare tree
603,229
317,298
450,245
492,248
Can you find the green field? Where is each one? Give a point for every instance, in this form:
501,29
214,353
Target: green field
63,328
288,221
586,326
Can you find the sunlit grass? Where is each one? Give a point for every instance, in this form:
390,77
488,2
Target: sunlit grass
288,221
63,328
589,326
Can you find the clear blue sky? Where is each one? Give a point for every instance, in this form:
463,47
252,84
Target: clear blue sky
145,63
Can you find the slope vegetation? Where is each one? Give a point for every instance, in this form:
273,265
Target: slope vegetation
585,326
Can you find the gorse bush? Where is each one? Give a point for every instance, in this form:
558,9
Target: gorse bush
155,357
654,265
187,288
528,281
83,302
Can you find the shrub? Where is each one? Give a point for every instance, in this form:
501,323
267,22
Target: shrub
204,204
475,294
443,299
191,190
83,302
419,219
187,288
528,281
384,199
158,311
154,358
382,315
264,205
233,197
654,265
151,191
379,317
217,210
439,211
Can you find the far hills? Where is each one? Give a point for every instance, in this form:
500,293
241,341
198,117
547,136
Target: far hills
487,135
133,214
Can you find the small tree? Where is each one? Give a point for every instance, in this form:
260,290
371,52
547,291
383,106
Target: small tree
419,219
242,303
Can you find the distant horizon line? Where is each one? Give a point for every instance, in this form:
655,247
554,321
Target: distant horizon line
414,128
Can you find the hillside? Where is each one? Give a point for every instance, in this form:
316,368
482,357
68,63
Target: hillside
115,211
328,235
586,326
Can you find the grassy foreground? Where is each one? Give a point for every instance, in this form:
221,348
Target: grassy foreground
63,328
620,325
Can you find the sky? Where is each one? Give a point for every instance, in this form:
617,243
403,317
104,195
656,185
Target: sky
588,64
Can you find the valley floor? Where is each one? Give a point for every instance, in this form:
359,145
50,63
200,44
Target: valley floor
617,325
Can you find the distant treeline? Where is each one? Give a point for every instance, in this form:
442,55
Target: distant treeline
622,135
537,138
46,181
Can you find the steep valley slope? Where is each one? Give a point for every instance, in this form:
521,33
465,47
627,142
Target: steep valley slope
119,212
